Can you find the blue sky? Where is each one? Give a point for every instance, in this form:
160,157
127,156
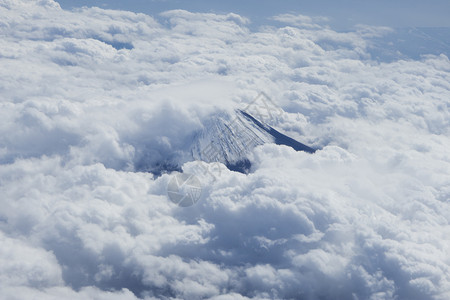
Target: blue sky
343,15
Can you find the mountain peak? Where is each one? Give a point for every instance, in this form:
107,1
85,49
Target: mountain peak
229,138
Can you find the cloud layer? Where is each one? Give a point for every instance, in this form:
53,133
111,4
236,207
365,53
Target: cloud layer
91,99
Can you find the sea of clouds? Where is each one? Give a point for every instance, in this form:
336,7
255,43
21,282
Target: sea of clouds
90,98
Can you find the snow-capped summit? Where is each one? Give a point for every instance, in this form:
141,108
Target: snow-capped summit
228,138
225,137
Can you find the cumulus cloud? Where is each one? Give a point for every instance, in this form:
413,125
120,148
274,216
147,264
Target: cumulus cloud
93,99
301,20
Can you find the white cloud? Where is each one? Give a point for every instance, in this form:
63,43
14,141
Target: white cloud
91,98
301,20
26,265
